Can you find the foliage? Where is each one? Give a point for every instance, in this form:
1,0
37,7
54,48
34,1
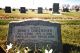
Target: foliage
4,22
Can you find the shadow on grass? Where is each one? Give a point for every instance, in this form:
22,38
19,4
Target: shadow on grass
1,50
67,48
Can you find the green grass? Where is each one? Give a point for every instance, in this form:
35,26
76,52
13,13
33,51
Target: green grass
71,34
4,22
47,14
69,22
72,14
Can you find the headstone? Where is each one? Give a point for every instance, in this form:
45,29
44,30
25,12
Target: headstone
56,8
7,9
0,8
33,10
36,34
22,10
50,9
40,10
13,9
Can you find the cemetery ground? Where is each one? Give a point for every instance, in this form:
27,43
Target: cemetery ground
70,31
45,15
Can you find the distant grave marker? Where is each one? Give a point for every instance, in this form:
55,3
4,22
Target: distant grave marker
55,7
36,33
40,10
50,9
13,9
7,9
33,10
2,50
0,8
22,10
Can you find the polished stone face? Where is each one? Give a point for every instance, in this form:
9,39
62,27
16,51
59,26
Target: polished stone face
35,32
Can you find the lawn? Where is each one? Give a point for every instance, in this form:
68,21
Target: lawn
46,15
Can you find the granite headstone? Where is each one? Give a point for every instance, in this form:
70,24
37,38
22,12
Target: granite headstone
7,9
40,10
0,8
22,10
50,9
55,7
39,33
13,9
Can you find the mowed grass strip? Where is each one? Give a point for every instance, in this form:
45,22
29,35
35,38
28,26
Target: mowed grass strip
46,14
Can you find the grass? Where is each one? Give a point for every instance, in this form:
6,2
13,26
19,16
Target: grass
72,14
46,15
4,22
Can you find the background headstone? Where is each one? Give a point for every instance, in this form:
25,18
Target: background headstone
22,10
7,9
55,7
50,9
0,8
13,9
33,10
40,10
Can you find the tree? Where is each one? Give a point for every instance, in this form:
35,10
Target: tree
66,7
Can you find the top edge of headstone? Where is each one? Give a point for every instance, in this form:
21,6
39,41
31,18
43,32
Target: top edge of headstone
33,19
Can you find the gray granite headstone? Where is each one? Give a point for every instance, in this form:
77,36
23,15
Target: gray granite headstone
22,10
39,33
14,9
50,9
55,7
0,8
7,9
40,10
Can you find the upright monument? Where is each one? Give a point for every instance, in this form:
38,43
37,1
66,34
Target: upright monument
22,10
40,10
7,9
55,7
36,33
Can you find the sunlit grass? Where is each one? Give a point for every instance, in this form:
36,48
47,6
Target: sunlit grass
46,14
